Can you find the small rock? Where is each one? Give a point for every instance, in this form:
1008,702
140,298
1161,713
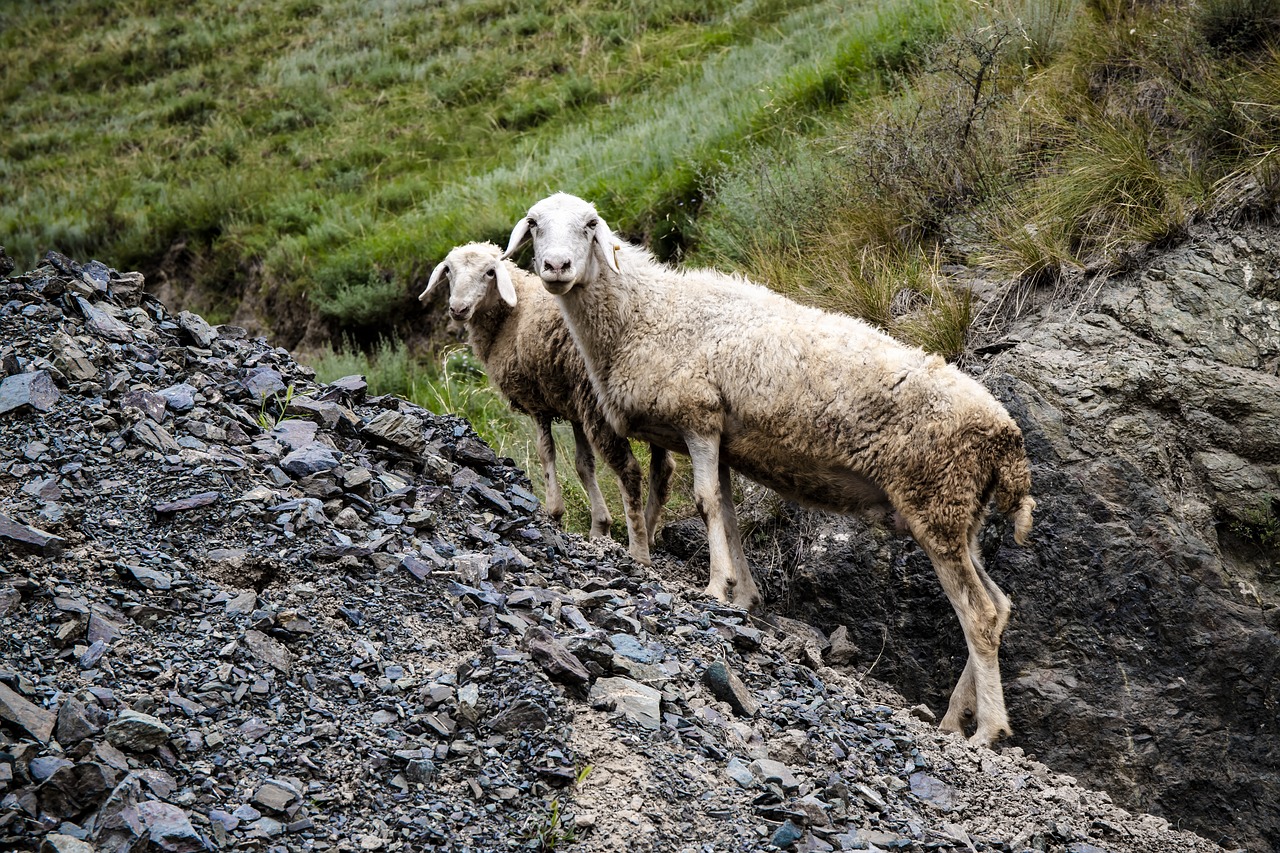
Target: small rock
31,540
740,773
167,827
137,732
35,390
180,397
189,503
637,701
786,836
74,724
263,383
933,790
728,687
842,651
399,430
32,719
198,331
276,795
768,770
269,651
521,715
56,842
312,459
554,658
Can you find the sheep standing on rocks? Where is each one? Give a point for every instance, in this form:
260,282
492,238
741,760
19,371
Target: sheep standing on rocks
516,330
823,408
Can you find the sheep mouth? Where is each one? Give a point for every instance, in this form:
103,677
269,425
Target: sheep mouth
557,286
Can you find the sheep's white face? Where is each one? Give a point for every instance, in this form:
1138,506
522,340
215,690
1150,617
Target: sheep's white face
566,233
477,277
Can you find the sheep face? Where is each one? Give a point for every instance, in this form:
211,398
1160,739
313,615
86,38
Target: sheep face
569,240
477,276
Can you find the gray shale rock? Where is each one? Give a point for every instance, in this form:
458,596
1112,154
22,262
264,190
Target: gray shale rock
137,732
1143,653
28,390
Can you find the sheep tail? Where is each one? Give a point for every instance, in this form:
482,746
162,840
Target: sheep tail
1013,488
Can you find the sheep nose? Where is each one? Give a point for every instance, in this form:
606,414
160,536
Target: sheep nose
458,313
556,266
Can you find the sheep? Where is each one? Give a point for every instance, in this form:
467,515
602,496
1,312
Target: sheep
517,332
822,408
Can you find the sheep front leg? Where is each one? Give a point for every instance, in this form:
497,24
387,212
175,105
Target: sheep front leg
704,458
585,464
745,592
547,456
662,467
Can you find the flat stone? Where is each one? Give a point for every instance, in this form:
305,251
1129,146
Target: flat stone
521,715
180,397
740,773
636,701
843,651
768,770
189,503
244,602
166,826
276,795
137,732
786,836
263,383
294,434
312,459
198,331
34,390
269,650
30,540
74,724
57,842
151,405
150,578
399,430
728,687
29,717
933,790
103,324
10,599
102,628
154,436
554,658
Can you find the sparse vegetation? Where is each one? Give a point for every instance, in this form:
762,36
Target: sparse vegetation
847,153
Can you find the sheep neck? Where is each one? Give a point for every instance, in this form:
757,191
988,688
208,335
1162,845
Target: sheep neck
488,327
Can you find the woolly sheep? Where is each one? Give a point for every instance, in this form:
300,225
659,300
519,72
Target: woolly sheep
823,408
516,330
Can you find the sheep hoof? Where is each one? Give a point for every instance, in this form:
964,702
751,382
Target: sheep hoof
642,557
987,738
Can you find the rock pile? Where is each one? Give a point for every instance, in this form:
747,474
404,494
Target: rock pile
246,610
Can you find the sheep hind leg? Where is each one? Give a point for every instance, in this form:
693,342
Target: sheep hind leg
547,457
704,459
617,454
980,620
585,464
662,468
963,704
745,592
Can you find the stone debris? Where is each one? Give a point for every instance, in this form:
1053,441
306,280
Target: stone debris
246,610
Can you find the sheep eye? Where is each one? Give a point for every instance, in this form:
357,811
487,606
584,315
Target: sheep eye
488,273
593,223
533,223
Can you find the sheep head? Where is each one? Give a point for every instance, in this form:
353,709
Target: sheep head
569,240
477,275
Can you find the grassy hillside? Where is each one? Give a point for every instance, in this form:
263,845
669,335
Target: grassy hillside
337,150
851,153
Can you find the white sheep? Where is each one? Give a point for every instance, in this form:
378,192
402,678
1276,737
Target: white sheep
823,408
516,330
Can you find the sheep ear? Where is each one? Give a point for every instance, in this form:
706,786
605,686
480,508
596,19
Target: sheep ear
506,289
608,244
439,274
518,235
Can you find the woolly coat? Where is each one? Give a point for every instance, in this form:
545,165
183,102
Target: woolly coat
823,408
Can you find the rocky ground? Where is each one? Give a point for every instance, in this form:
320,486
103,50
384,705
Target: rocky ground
245,610
1143,655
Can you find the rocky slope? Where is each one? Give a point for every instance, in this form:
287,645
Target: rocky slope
244,610
1144,649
